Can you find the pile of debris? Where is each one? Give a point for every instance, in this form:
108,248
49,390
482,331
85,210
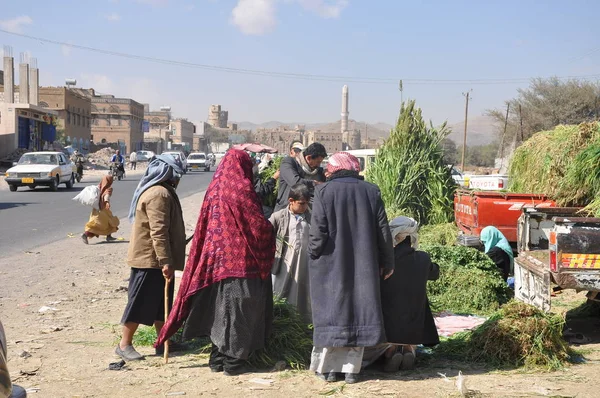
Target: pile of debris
100,159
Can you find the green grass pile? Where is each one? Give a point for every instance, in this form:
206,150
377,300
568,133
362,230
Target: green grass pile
563,163
518,335
411,172
439,234
469,282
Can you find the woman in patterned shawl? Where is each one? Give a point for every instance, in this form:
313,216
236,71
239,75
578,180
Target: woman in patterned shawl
226,290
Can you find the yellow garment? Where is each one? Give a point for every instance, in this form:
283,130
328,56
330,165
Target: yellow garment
102,222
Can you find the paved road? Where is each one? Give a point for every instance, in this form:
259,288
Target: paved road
33,218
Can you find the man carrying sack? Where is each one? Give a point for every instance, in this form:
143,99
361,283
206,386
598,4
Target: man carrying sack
156,250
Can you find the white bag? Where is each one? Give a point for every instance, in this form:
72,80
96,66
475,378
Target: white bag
89,196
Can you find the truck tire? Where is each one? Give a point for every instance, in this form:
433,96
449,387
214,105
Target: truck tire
54,184
13,188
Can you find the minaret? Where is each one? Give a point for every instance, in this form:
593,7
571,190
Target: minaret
345,111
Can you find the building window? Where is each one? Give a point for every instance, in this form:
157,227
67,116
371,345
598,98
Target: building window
79,120
68,117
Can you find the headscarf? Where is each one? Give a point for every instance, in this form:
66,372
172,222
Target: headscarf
402,227
233,239
492,237
343,161
161,169
105,187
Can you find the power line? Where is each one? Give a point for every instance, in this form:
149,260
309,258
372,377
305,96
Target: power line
289,75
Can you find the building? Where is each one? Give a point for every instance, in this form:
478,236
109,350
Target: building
280,138
200,143
218,117
116,120
23,124
74,115
183,133
331,141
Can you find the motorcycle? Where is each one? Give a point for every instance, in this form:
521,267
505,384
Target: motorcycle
117,170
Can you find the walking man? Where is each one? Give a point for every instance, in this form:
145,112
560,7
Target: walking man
133,160
156,250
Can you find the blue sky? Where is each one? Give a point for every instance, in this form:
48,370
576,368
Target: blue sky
439,40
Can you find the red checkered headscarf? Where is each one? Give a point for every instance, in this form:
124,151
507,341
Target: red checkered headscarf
343,161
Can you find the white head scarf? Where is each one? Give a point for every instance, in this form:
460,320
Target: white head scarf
402,227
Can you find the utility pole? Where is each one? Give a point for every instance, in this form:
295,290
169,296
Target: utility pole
504,135
521,122
462,163
366,136
401,92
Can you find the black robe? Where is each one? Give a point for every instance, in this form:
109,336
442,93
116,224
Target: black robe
406,312
349,242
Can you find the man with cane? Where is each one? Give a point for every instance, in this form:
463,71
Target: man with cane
156,251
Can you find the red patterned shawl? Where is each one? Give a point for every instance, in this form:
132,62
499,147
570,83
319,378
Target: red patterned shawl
233,239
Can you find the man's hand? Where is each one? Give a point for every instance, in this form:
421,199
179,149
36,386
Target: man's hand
386,272
168,272
276,175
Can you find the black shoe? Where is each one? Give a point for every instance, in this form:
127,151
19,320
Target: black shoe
216,369
351,378
236,371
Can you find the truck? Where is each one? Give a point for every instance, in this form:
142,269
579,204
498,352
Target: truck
475,210
492,182
556,246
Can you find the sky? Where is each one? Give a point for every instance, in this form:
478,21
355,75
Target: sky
452,46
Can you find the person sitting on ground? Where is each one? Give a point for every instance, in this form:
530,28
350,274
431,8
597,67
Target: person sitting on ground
406,314
156,251
290,269
102,222
497,248
303,168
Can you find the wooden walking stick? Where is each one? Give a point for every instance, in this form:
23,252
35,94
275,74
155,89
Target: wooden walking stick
167,283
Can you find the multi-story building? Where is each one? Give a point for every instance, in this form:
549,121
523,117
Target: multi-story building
183,133
279,138
217,117
116,120
331,141
74,114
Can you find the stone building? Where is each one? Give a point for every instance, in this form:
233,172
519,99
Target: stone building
217,117
279,138
74,114
331,141
116,120
183,133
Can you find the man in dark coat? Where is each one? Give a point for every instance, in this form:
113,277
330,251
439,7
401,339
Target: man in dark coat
304,168
350,247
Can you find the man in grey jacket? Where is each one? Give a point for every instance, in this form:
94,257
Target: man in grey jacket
302,169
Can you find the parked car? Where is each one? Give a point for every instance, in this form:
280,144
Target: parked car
144,156
41,169
179,156
365,158
197,161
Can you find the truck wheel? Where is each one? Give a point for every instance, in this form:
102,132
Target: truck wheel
54,184
13,188
69,184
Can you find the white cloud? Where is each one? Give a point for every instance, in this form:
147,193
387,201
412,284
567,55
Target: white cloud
254,17
154,3
324,8
114,17
16,25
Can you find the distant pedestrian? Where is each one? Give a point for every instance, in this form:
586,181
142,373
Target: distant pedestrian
102,221
133,160
303,168
226,291
156,250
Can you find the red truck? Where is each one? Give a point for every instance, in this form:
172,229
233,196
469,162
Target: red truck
475,210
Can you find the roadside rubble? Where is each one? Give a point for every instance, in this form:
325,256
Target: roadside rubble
100,159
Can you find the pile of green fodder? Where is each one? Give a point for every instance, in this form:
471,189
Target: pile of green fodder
563,163
410,170
268,173
439,234
290,339
469,282
516,335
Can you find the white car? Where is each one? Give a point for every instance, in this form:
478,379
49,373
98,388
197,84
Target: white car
41,169
144,156
197,161
179,156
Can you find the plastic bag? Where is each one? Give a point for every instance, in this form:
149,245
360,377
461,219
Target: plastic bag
89,196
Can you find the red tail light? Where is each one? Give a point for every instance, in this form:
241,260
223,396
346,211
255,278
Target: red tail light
501,183
553,265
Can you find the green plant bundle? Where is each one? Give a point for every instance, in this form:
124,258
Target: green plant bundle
563,163
469,282
439,234
268,173
516,335
410,170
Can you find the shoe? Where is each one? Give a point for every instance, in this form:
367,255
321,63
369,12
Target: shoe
408,361
216,369
351,378
237,371
110,238
84,238
330,377
129,353
393,364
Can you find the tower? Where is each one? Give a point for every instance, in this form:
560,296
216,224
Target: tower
345,111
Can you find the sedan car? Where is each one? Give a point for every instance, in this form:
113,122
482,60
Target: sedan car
179,156
197,161
41,169
144,156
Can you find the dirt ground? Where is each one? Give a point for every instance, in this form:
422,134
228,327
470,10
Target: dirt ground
64,350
